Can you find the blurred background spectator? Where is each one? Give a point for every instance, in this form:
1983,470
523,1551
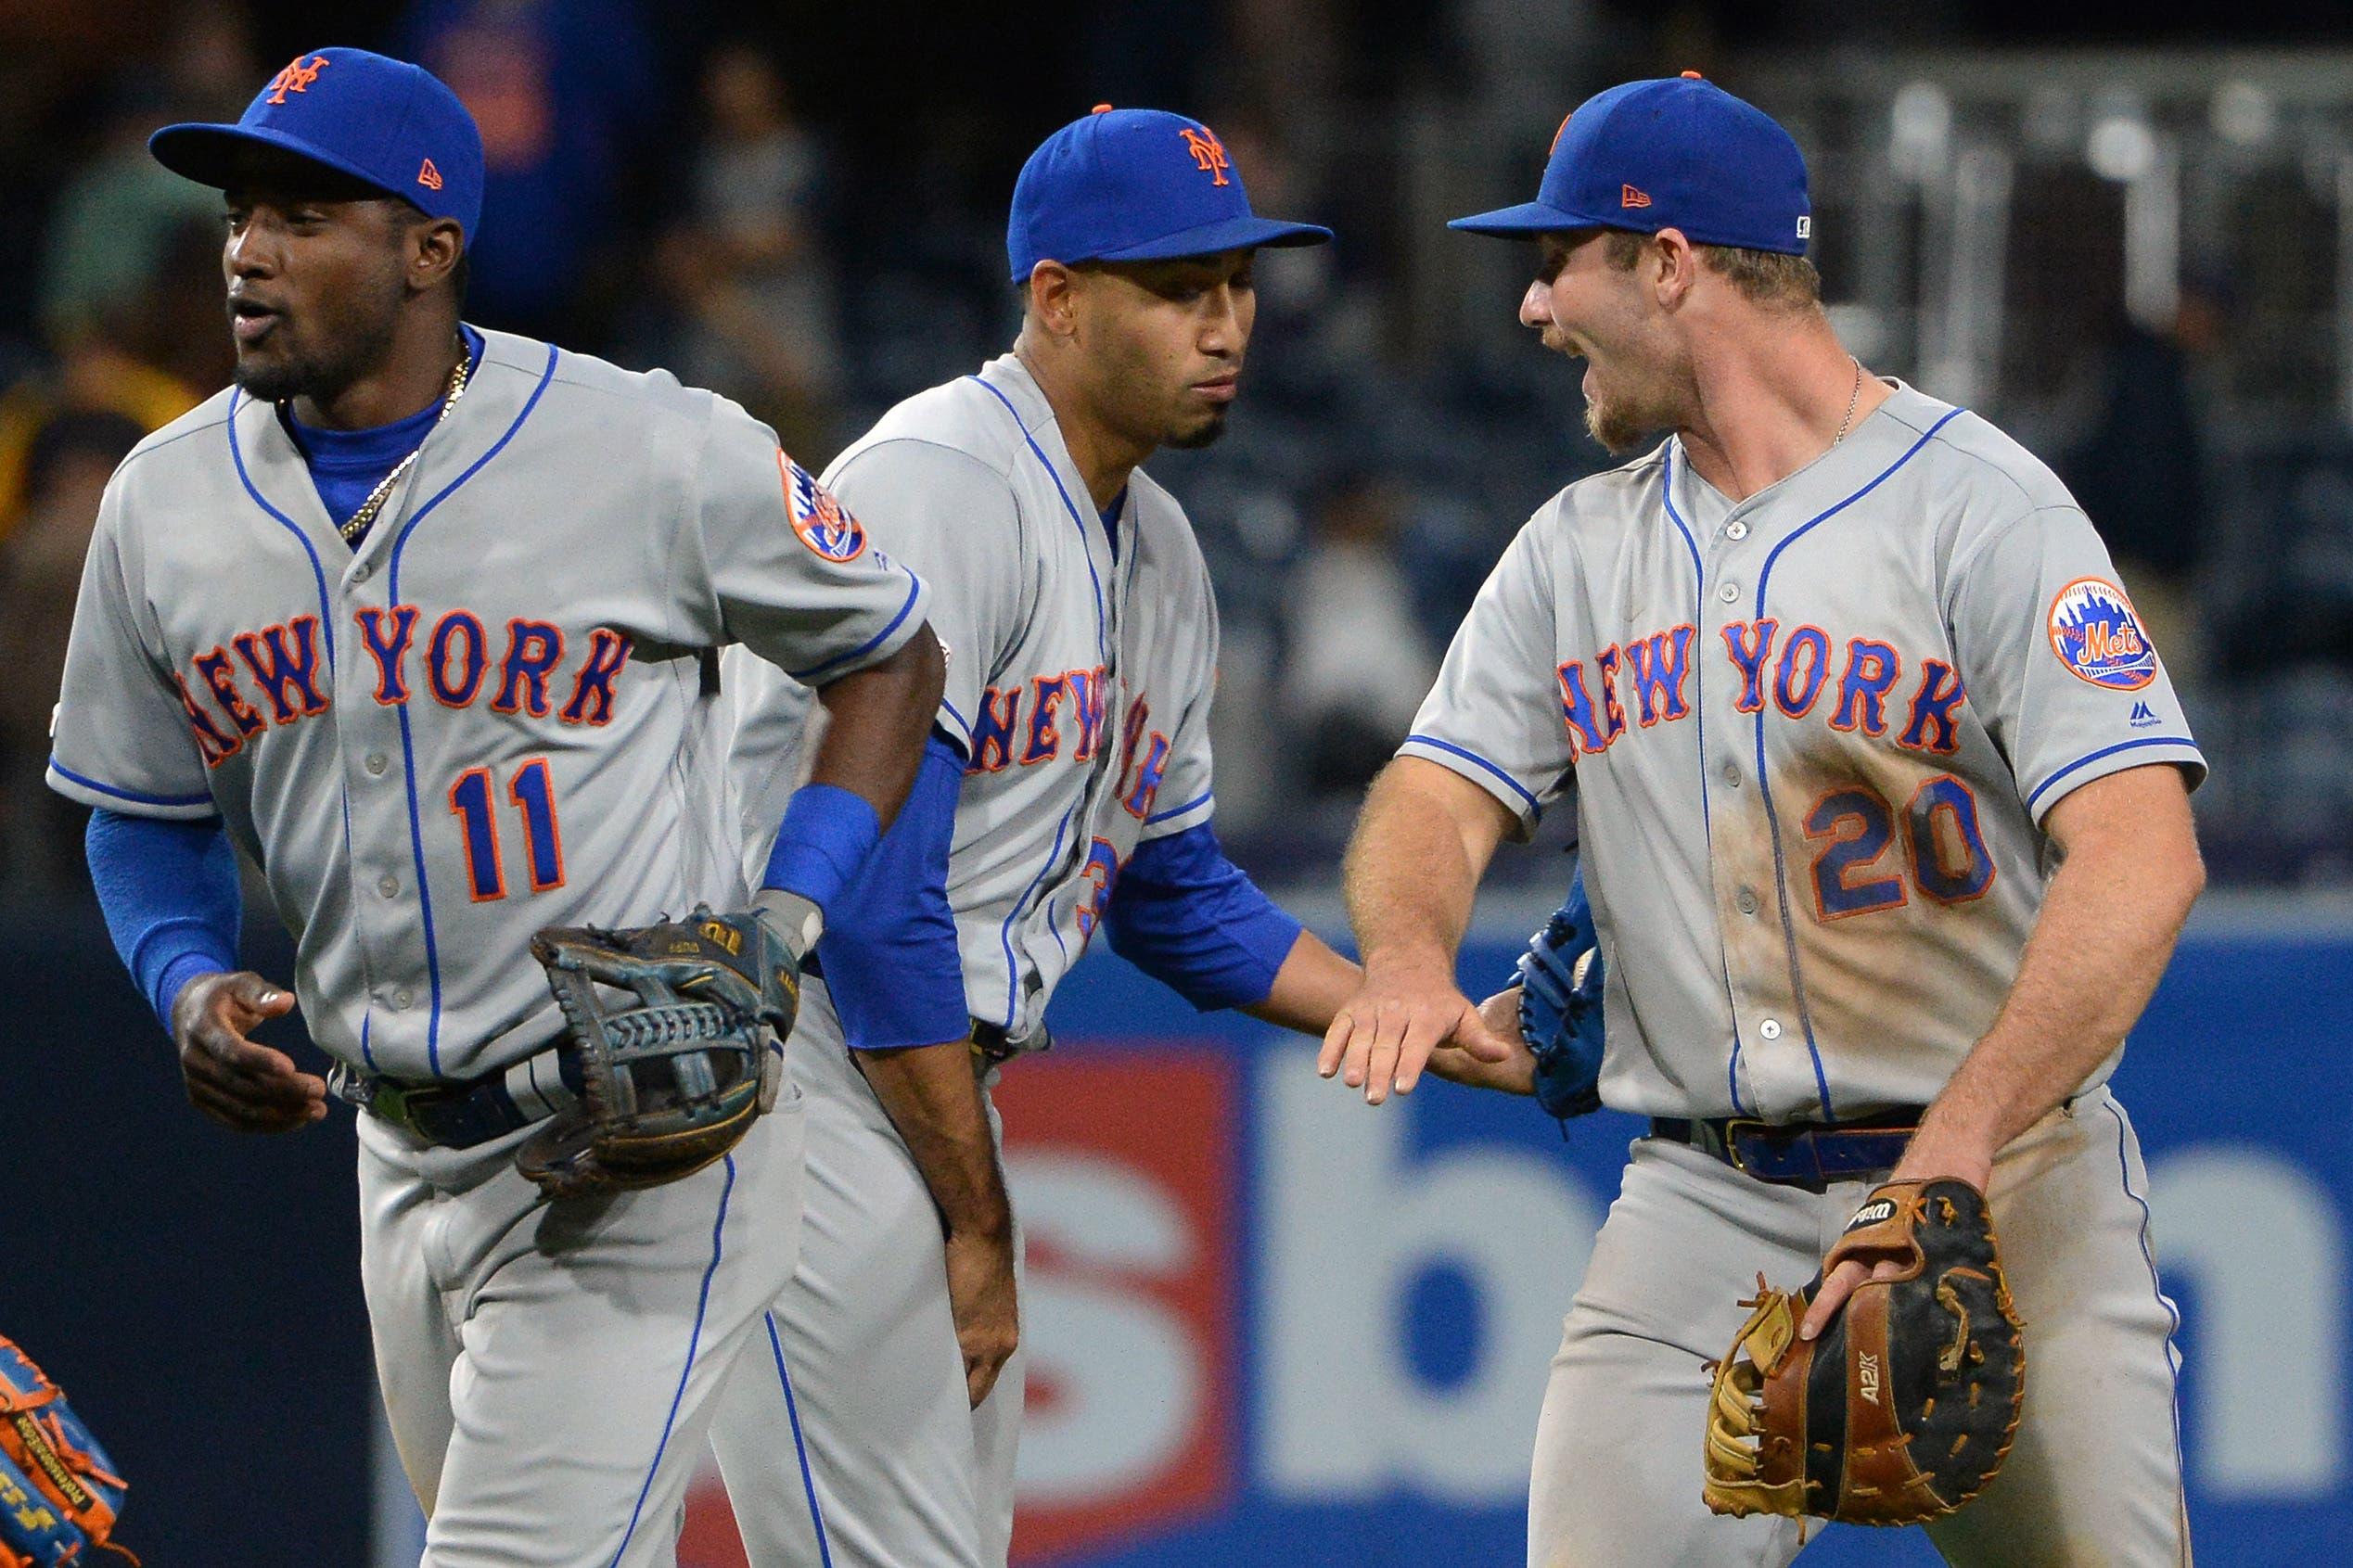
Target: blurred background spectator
40,576
2133,259
746,271
1359,664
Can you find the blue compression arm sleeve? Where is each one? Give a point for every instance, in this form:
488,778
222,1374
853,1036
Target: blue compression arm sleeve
1190,918
170,897
825,837
890,948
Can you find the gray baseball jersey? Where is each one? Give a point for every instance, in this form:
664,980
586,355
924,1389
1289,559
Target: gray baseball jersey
1080,676
489,719
1812,738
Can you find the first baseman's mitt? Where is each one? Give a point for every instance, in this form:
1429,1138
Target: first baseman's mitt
60,1493
670,1082
1903,1409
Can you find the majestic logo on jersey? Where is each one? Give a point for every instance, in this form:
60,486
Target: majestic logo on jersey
2144,716
2097,636
296,77
822,523
1208,154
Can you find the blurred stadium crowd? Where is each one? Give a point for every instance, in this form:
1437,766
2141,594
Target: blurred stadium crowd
804,209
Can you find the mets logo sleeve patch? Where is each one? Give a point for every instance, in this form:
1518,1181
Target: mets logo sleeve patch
2099,639
822,523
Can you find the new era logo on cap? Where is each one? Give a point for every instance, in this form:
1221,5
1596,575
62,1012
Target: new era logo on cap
429,176
1629,197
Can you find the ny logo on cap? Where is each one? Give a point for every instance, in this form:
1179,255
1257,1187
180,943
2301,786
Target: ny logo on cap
296,77
1208,154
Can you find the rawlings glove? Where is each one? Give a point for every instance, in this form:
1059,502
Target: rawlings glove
58,1492
1560,1007
671,1082
1903,1409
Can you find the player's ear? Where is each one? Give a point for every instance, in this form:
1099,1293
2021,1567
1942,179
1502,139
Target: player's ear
1054,298
435,247
1671,262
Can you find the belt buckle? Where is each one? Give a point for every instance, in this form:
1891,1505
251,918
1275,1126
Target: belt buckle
390,1102
1733,1126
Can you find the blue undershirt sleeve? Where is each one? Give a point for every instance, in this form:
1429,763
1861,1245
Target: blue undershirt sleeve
889,948
1191,919
170,897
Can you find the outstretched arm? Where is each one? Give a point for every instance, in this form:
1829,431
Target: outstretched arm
1310,988
1413,870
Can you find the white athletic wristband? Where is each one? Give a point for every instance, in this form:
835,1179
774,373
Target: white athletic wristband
796,920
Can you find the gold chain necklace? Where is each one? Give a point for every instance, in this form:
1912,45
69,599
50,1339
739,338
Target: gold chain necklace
355,526
1853,396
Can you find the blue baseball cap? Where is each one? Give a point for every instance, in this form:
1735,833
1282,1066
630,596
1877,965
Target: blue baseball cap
383,122
1136,184
1675,153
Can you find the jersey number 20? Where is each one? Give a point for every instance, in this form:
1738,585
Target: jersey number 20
533,797
1945,846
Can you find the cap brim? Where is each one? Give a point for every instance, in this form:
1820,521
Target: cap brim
1208,239
212,155
1529,217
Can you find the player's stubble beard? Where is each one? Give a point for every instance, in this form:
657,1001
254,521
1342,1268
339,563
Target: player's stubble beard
1201,432
319,363
1633,406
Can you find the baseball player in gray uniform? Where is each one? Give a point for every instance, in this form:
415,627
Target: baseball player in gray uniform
1884,804
419,618
1067,795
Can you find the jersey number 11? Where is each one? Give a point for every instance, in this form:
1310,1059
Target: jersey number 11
533,797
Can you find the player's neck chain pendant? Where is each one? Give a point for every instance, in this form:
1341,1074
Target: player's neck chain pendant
1855,396
354,527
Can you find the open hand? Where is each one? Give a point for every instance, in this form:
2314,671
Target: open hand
1382,1037
243,1086
981,1295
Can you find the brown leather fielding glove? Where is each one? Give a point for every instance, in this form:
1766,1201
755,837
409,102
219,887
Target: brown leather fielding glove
671,1083
1903,1409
